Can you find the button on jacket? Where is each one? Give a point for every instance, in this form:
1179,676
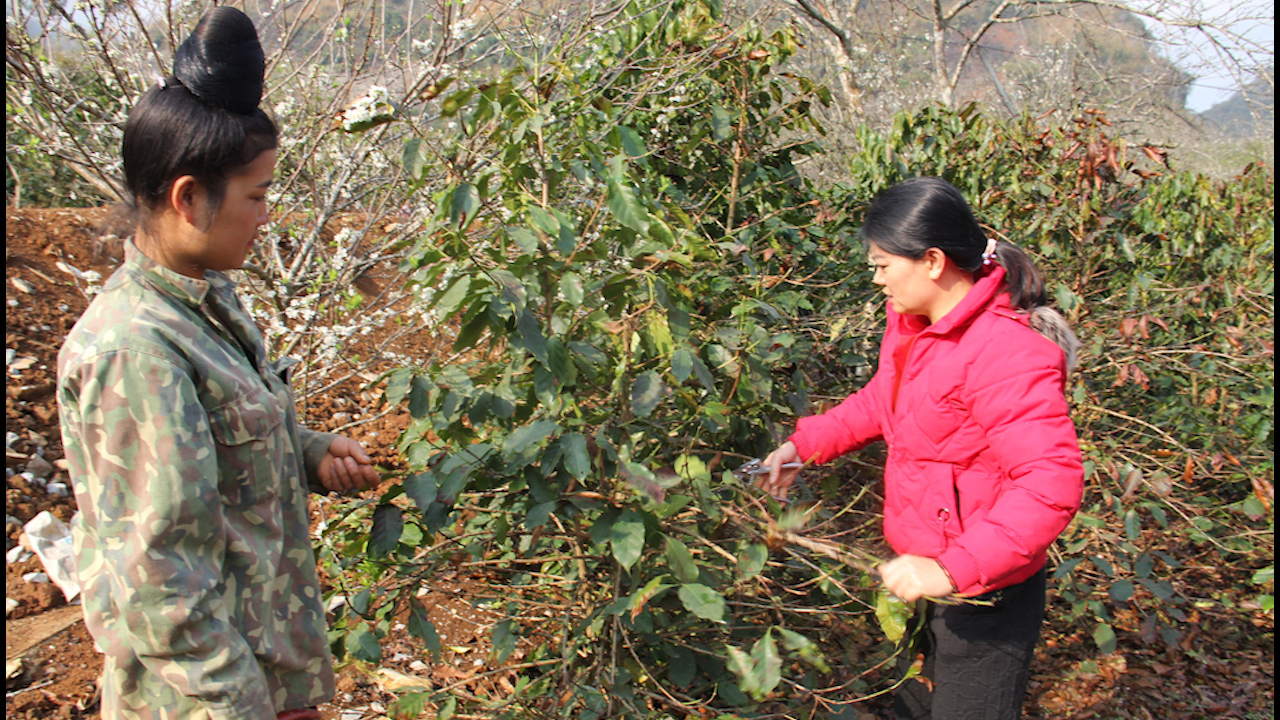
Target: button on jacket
984,468
188,465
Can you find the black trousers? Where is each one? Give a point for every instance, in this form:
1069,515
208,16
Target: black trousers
978,658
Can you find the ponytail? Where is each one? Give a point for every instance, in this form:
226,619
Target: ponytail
1025,285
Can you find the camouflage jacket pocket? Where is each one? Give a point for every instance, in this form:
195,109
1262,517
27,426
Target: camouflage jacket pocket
252,443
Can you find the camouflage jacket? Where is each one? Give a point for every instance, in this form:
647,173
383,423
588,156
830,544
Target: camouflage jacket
192,543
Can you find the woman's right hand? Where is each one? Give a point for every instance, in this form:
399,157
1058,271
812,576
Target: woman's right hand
778,481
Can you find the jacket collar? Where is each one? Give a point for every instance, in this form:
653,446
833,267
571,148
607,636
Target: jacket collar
987,292
188,290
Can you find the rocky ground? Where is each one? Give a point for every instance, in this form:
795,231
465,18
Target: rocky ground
1222,668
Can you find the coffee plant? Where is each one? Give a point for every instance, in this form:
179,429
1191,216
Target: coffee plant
639,281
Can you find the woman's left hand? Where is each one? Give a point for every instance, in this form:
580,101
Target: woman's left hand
912,577
346,466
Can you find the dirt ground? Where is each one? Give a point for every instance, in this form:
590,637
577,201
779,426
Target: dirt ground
1222,668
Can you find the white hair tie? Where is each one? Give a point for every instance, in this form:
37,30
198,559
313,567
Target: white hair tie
989,254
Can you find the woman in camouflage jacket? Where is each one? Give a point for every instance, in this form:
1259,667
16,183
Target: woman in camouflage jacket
190,469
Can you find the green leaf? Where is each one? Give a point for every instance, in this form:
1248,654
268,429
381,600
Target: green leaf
421,627
643,480
1265,575
808,650
1121,590
1160,588
409,706
388,523
513,291
1133,525
421,488
558,362
576,458
503,640
627,538
760,672
531,336
471,330
741,665
692,467
571,288
415,158
646,391
398,382
520,439
420,397
632,144
681,364
452,104
680,560
703,601
768,664
704,374
1105,638
362,644
449,301
893,614
544,220
465,203
682,666
1066,299
524,239
539,514
721,123
641,597
751,560
626,208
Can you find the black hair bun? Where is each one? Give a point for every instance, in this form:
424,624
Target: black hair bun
221,62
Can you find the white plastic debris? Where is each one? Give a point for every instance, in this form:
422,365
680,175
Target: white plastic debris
10,605
50,538
336,602
57,488
35,577
33,481
16,554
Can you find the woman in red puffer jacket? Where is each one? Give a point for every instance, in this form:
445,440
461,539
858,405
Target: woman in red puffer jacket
984,469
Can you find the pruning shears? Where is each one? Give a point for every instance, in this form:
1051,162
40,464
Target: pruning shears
753,468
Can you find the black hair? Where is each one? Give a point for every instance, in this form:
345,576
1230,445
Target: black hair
927,212
204,120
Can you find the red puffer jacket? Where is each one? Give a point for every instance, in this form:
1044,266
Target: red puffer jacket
984,469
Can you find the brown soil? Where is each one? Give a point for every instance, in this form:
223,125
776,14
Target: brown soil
1222,668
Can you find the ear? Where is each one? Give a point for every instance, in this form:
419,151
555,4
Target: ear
936,261
183,196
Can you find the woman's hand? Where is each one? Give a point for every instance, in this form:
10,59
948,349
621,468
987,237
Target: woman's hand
912,577
778,481
346,466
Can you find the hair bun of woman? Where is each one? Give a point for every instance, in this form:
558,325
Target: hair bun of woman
221,62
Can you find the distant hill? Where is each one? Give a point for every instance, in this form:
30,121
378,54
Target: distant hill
1247,113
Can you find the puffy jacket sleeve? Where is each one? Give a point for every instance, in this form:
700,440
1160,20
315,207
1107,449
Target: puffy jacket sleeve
145,472
848,426
1016,395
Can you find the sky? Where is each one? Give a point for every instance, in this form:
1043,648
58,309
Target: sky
1252,38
